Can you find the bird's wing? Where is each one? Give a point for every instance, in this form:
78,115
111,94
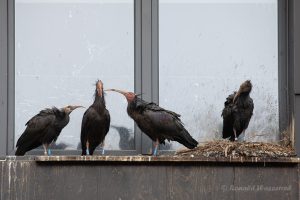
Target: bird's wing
36,126
251,105
228,116
229,99
228,106
41,120
160,119
154,107
89,118
107,123
86,118
168,126
157,118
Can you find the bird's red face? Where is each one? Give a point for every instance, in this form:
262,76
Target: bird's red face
99,88
130,96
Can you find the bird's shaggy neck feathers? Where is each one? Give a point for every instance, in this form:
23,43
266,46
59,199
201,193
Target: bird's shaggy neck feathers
99,102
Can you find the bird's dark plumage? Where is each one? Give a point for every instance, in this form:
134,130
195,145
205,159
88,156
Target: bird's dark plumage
95,122
238,111
43,128
159,123
156,122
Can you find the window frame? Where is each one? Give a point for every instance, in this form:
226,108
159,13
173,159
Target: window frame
146,66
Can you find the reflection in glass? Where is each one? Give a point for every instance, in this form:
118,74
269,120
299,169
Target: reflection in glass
207,49
61,49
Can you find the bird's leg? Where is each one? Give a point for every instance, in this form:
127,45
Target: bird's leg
102,147
45,149
49,150
87,148
234,131
155,147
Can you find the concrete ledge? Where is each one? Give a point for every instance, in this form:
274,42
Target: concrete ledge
157,159
146,177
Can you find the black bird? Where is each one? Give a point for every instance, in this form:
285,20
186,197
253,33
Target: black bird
95,123
237,112
43,129
159,124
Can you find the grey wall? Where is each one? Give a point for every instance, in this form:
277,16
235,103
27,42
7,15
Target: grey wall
30,180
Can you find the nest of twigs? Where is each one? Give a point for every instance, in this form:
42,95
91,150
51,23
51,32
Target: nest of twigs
225,148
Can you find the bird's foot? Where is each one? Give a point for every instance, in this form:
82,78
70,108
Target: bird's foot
87,152
102,147
155,147
49,152
45,146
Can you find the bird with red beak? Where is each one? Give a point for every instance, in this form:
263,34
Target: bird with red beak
156,122
95,123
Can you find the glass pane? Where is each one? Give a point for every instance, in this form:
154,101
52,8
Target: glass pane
62,48
207,49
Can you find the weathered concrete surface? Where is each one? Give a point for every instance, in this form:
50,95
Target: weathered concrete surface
165,158
25,178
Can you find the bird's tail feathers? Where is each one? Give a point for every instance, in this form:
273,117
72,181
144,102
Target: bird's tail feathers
20,151
187,140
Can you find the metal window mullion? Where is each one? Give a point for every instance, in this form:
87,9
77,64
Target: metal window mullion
138,64
294,70
296,46
146,65
11,77
294,30
155,51
3,76
149,55
282,66
155,56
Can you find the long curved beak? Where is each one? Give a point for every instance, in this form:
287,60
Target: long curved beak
115,90
99,87
74,107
